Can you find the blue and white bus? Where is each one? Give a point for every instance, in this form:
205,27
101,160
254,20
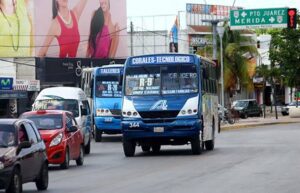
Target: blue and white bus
169,99
103,86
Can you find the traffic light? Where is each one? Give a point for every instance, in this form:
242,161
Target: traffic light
292,18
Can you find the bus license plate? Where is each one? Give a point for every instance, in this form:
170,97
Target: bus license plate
108,120
159,129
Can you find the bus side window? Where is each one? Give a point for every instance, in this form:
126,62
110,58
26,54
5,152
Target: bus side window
92,87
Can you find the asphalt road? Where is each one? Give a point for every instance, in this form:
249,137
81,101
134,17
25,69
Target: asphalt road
258,160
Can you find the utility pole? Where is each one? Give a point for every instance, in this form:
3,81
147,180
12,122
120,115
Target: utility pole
214,23
131,38
221,33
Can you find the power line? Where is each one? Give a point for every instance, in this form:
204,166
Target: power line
82,41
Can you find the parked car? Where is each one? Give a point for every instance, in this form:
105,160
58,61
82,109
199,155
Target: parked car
61,134
247,108
22,156
285,109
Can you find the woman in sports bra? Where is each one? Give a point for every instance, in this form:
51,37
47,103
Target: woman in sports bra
64,27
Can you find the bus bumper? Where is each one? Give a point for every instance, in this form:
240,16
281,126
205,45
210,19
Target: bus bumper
181,128
109,125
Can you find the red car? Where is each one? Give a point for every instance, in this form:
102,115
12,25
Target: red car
61,134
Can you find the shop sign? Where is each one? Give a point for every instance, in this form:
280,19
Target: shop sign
6,83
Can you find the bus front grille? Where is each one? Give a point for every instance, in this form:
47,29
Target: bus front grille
159,114
116,112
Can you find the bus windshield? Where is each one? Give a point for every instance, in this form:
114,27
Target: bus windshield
109,86
154,80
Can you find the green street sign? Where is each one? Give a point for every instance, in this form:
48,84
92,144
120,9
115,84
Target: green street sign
258,18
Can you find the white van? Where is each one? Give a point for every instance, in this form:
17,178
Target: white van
71,99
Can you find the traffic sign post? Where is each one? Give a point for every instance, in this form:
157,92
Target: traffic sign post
258,18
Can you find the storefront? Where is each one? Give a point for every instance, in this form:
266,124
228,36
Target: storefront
66,71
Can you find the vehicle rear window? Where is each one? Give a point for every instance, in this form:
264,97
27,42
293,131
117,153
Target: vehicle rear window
46,122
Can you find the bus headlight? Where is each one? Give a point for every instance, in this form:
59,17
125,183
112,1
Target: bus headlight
189,107
129,110
103,112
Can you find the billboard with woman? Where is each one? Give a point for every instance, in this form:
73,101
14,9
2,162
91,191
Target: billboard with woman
16,31
81,28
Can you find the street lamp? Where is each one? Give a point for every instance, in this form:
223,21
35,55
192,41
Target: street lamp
220,31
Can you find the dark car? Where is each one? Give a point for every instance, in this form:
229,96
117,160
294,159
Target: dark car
23,156
247,108
285,109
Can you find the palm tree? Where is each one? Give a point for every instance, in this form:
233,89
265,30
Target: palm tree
238,50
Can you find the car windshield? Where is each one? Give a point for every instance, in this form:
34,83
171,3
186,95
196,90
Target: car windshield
154,80
58,104
109,86
46,122
241,104
7,135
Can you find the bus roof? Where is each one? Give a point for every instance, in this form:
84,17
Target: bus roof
62,93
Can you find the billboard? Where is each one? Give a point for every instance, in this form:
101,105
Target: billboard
64,29
195,13
16,30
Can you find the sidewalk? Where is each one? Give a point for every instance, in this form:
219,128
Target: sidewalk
259,121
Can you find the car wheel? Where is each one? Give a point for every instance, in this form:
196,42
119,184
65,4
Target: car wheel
98,135
66,163
80,159
146,148
87,148
197,146
245,115
15,185
210,144
128,147
155,148
43,178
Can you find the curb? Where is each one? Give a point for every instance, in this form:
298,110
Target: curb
236,127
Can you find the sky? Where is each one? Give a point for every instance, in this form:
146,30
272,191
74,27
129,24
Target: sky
172,7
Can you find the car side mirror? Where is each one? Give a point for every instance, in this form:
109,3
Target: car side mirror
72,129
83,111
23,145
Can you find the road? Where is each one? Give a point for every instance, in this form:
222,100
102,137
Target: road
252,160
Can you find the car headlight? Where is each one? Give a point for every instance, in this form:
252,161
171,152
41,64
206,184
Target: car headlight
103,112
1,165
57,140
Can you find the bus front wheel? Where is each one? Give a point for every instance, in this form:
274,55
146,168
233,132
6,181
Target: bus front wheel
197,146
98,135
128,147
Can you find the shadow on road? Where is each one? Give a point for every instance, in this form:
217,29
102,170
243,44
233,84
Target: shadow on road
167,152
111,138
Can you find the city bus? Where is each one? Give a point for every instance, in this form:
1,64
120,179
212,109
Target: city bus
169,99
103,87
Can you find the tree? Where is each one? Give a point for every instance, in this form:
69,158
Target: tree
285,53
238,49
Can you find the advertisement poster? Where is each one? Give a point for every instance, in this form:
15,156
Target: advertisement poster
81,28
64,29
16,28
